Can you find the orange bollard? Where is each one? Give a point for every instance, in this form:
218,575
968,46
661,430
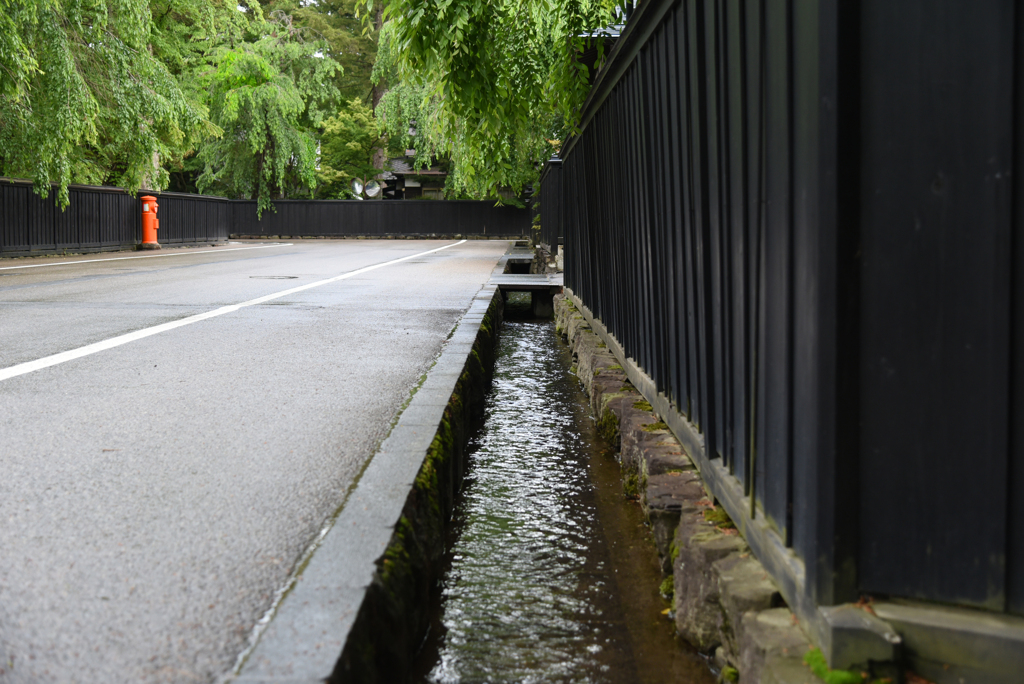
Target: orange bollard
150,223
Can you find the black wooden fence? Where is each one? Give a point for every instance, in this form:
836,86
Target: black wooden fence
96,219
803,219
100,219
193,218
551,205
422,218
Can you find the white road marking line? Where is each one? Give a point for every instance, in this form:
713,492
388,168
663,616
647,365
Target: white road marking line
71,355
149,256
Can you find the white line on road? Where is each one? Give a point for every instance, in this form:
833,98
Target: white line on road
149,256
71,355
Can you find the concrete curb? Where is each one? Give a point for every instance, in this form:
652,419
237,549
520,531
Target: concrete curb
359,608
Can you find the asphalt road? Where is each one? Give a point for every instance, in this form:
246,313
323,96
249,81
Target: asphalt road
155,495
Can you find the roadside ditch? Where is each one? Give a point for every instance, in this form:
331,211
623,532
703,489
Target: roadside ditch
550,573
557,531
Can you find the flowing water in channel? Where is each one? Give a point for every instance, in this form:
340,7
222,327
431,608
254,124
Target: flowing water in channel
553,577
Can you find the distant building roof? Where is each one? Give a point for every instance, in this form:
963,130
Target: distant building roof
401,166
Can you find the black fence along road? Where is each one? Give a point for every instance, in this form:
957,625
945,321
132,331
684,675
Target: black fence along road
193,218
804,222
551,232
336,218
99,219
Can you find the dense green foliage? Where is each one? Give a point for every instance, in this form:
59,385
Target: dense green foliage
83,99
490,84
348,143
336,22
268,95
268,98
228,98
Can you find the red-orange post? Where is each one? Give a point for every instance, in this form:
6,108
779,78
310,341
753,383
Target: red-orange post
150,223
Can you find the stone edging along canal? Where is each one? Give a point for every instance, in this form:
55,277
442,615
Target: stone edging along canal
365,592
724,603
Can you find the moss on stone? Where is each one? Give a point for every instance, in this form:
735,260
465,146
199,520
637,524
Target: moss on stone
815,660
396,561
608,427
441,450
720,518
730,674
643,405
631,484
667,588
653,427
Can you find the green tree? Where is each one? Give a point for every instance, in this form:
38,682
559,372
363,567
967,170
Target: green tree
338,24
495,80
82,98
347,147
184,34
269,94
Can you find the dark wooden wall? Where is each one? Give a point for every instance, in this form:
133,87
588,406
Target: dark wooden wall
937,89
801,219
380,218
551,204
110,218
96,218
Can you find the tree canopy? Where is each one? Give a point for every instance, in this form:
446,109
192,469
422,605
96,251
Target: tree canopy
347,148
83,98
273,98
491,85
229,98
268,95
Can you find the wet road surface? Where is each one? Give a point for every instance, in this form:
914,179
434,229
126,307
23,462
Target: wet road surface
156,494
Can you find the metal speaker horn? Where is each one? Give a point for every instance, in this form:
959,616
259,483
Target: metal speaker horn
372,188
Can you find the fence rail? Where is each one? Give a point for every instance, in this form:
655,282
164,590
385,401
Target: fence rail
798,219
100,218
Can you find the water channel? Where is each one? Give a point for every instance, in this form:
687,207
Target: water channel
552,576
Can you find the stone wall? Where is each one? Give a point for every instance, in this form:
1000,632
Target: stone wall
723,601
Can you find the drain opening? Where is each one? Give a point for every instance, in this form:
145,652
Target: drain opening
274,277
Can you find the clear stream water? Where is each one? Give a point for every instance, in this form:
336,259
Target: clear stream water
551,577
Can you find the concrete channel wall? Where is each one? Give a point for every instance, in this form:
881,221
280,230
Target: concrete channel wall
395,615
364,592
